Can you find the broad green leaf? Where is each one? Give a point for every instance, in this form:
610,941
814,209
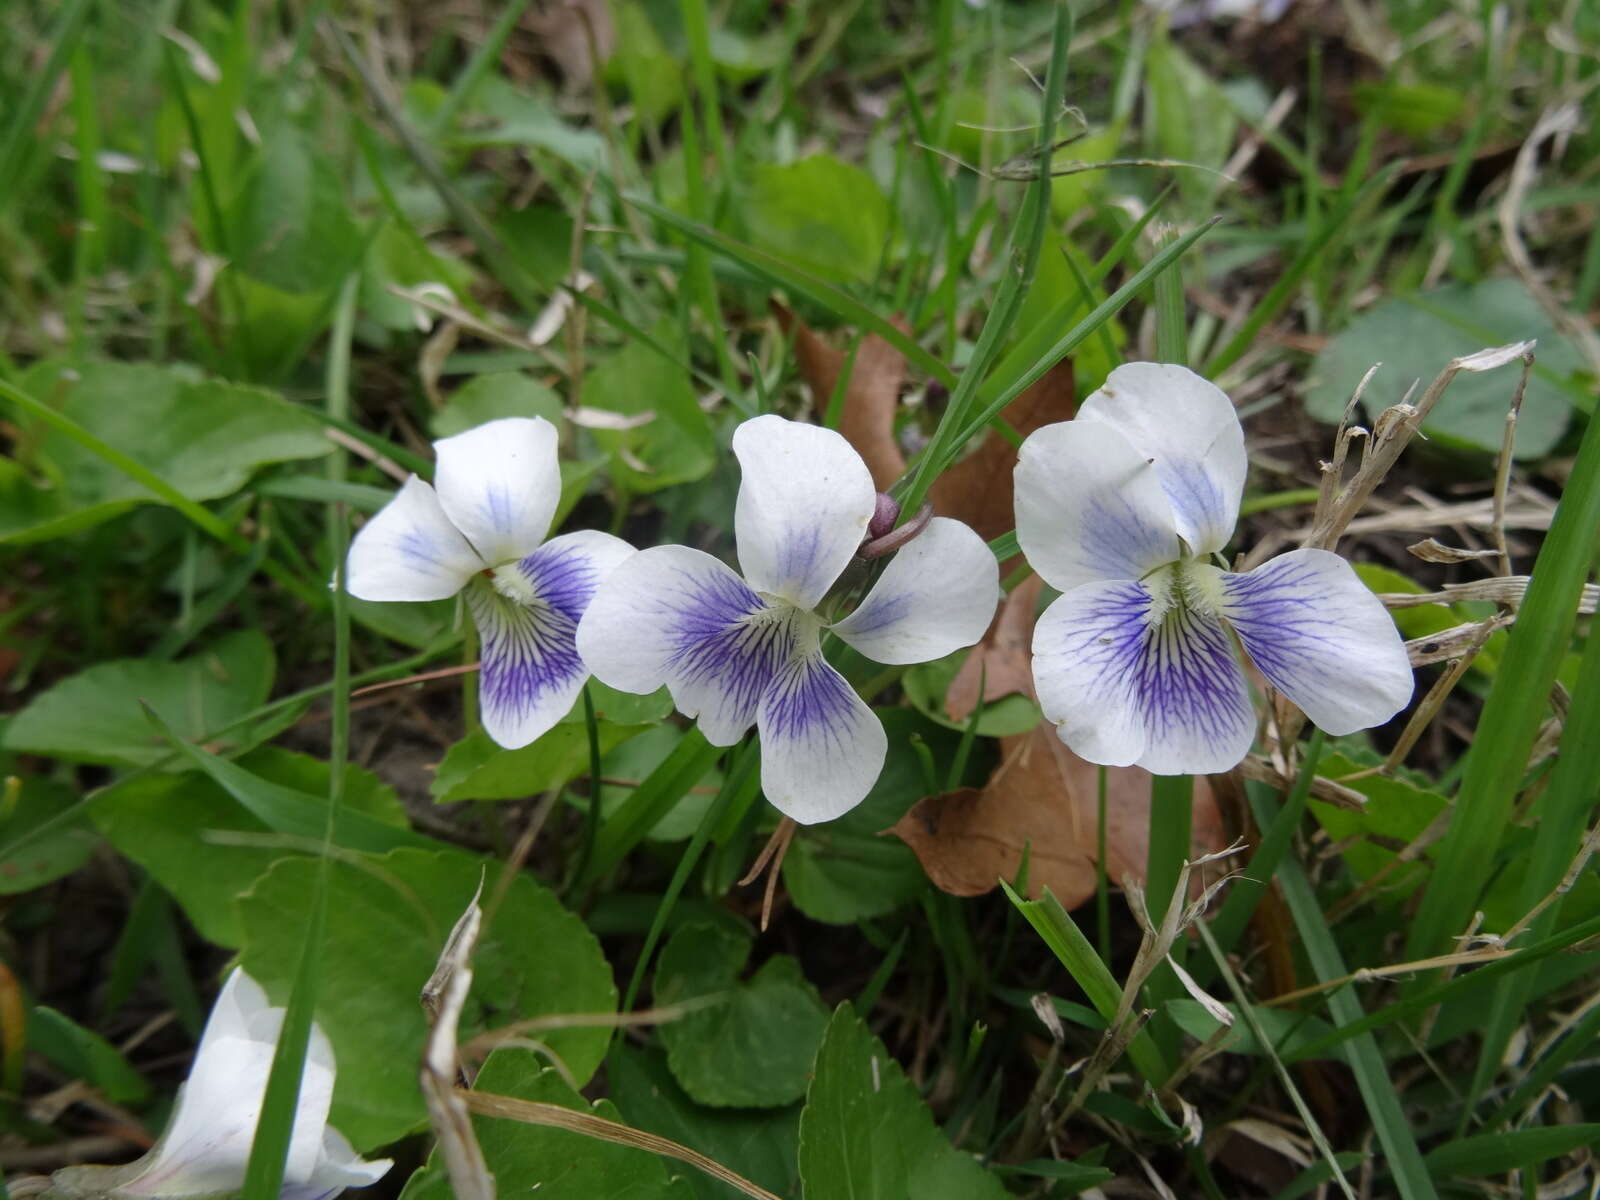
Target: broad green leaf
541,237
552,1164
475,768
203,436
819,213
388,917
290,225
1415,336
50,856
1395,814
1414,109
675,445
94,716
759,1144
865,1132
653,75
510,116
753,1047
845,871
397,259
490,397
199,844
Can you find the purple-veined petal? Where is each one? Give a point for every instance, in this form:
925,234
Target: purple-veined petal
937,595
499,483
528,623
409,550
675,616
1130,679
1089,507
805,499
822,748
1321,638
1189,427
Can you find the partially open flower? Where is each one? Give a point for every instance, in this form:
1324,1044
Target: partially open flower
1120,509
740,651
482,528
206,1147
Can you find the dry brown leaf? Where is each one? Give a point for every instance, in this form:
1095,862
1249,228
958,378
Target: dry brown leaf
870,398
1003,661
570,32
1045,797
978,488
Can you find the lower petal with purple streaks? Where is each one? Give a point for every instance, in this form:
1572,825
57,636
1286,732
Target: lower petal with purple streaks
675,616
531,672
822,748
1321,638
1132,678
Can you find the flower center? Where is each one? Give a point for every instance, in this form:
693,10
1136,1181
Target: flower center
511,583
784,617
1187,585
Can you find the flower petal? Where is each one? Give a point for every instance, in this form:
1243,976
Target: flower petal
1191,430
675,616
1090,507
822,748
408,550
499,483
206,1146
338,1167
1129,681
937,595
804,503
527,621
1321,638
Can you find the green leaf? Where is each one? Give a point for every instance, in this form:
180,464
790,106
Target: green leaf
1497,1153
754,1047
1415,336
94,716
552,1164
178,827
675,445
1415,109
1395,814
492,396
202,436
635,759
759,1144
653,76
84,1054
819,213
845,871
387,919
521,119
398,258
926,685
54,854
1286,1031
290,225
475,768
865,1132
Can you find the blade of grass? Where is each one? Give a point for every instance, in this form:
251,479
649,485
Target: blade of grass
25,119
482,60
689,760
1518,699
1366,1060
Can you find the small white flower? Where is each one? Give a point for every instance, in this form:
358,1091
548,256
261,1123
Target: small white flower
740,651
206,1147
482,528
1119,509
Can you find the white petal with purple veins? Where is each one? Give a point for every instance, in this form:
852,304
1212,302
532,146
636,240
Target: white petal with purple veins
530,672
822,748
937,595
675,616
500,483
804,502
409,550
1090,507
1130,678
1189,427
1321,638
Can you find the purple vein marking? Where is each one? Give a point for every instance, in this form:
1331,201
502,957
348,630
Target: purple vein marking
421,550
810,702
1116,537
1283,621
1194,494
725,635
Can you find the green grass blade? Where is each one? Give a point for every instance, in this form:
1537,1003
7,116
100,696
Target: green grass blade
483,58
1518,700
1389,1122
63,39
690,759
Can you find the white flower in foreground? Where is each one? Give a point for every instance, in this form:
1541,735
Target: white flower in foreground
1119,509
735,651
481,527
206,1147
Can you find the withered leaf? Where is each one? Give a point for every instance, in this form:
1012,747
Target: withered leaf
1003,661
1044,797
870,398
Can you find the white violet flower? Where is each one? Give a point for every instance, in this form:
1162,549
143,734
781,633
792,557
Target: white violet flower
206,1147
1121,510
481,528
736,651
